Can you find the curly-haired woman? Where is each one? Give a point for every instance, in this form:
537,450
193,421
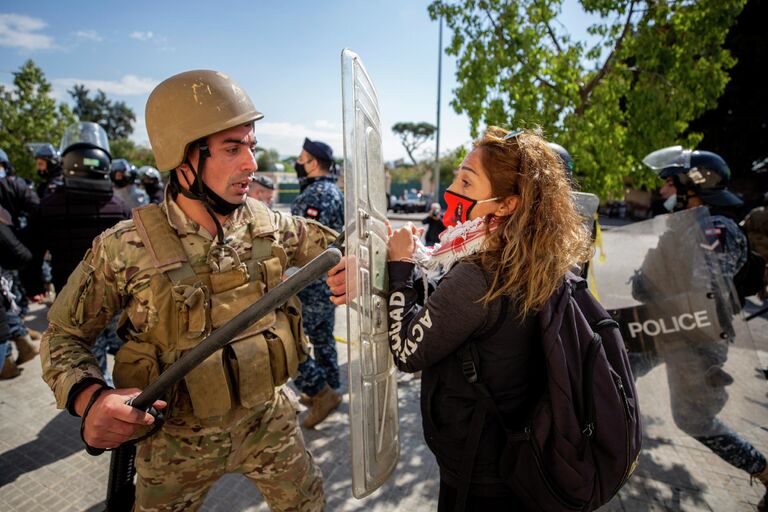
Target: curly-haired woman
513,234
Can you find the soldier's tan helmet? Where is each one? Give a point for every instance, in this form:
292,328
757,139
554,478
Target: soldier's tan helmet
192,105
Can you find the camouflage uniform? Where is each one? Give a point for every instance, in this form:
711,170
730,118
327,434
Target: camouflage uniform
178,465
697,380
323,202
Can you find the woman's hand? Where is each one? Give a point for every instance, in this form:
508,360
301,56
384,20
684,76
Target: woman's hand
402,243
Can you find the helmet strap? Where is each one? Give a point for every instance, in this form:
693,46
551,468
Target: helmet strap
199,191
682,195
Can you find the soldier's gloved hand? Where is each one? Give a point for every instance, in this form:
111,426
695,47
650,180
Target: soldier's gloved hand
337,282
110,422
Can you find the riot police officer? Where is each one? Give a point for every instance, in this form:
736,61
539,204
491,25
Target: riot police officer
565,157
152,182
71,216
181,269
696,178
48,164
320,200
123,175
5,164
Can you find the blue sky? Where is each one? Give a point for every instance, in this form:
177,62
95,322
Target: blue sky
285,54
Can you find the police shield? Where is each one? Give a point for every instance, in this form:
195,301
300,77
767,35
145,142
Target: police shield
667,284
372,378
586,204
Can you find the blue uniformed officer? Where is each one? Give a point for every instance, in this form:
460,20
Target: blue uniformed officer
320,200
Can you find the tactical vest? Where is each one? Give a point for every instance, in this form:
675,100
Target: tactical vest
191,301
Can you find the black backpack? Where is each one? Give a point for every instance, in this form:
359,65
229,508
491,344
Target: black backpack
583,439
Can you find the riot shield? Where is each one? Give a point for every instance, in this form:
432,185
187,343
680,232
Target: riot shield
586,205
692,354
374,428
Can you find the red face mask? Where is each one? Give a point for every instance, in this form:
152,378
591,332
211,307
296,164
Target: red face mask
459,207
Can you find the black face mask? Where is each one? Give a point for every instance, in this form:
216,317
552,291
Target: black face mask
121,183
301,171
152,188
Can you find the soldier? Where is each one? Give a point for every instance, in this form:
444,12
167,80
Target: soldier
696,376
181,269
48,163
152,183
123,175
320,200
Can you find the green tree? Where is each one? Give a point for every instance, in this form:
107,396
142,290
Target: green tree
267,158
136,154
652,67
413,136
28,113
115,117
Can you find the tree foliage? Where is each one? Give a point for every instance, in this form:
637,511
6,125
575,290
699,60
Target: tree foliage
649,69
136,154
267,158
28,113
115,117
413,136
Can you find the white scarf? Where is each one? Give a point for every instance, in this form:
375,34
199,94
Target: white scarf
456,242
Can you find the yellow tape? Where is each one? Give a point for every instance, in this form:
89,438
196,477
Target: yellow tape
599,245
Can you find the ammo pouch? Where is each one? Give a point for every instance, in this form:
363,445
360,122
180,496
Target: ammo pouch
136,365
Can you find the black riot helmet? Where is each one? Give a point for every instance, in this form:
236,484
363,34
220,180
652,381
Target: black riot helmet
52,159
85,158
127,172
148,174
6,169
702,172
565,156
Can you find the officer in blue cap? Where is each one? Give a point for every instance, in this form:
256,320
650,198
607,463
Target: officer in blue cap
322,201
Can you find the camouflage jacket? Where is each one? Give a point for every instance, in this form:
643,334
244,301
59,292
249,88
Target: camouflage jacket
116,272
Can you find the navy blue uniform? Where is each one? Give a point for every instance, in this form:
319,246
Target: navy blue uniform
322,201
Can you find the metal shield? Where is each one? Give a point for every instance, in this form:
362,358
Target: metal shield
692,355
373,417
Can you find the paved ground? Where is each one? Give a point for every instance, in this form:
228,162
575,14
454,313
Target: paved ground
43,466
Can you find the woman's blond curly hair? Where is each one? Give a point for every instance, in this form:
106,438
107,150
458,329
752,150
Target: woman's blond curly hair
533,248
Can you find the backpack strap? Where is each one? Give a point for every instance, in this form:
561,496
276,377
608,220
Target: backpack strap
162,242
470,368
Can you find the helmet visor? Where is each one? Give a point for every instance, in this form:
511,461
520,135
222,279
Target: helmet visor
85,133
673,156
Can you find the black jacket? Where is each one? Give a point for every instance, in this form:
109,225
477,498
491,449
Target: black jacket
18,198
66,224
13,256
435,226
428,338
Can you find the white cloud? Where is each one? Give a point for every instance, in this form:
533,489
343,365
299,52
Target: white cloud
129,85
89,34
19,31
288,137
141,36
324,125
